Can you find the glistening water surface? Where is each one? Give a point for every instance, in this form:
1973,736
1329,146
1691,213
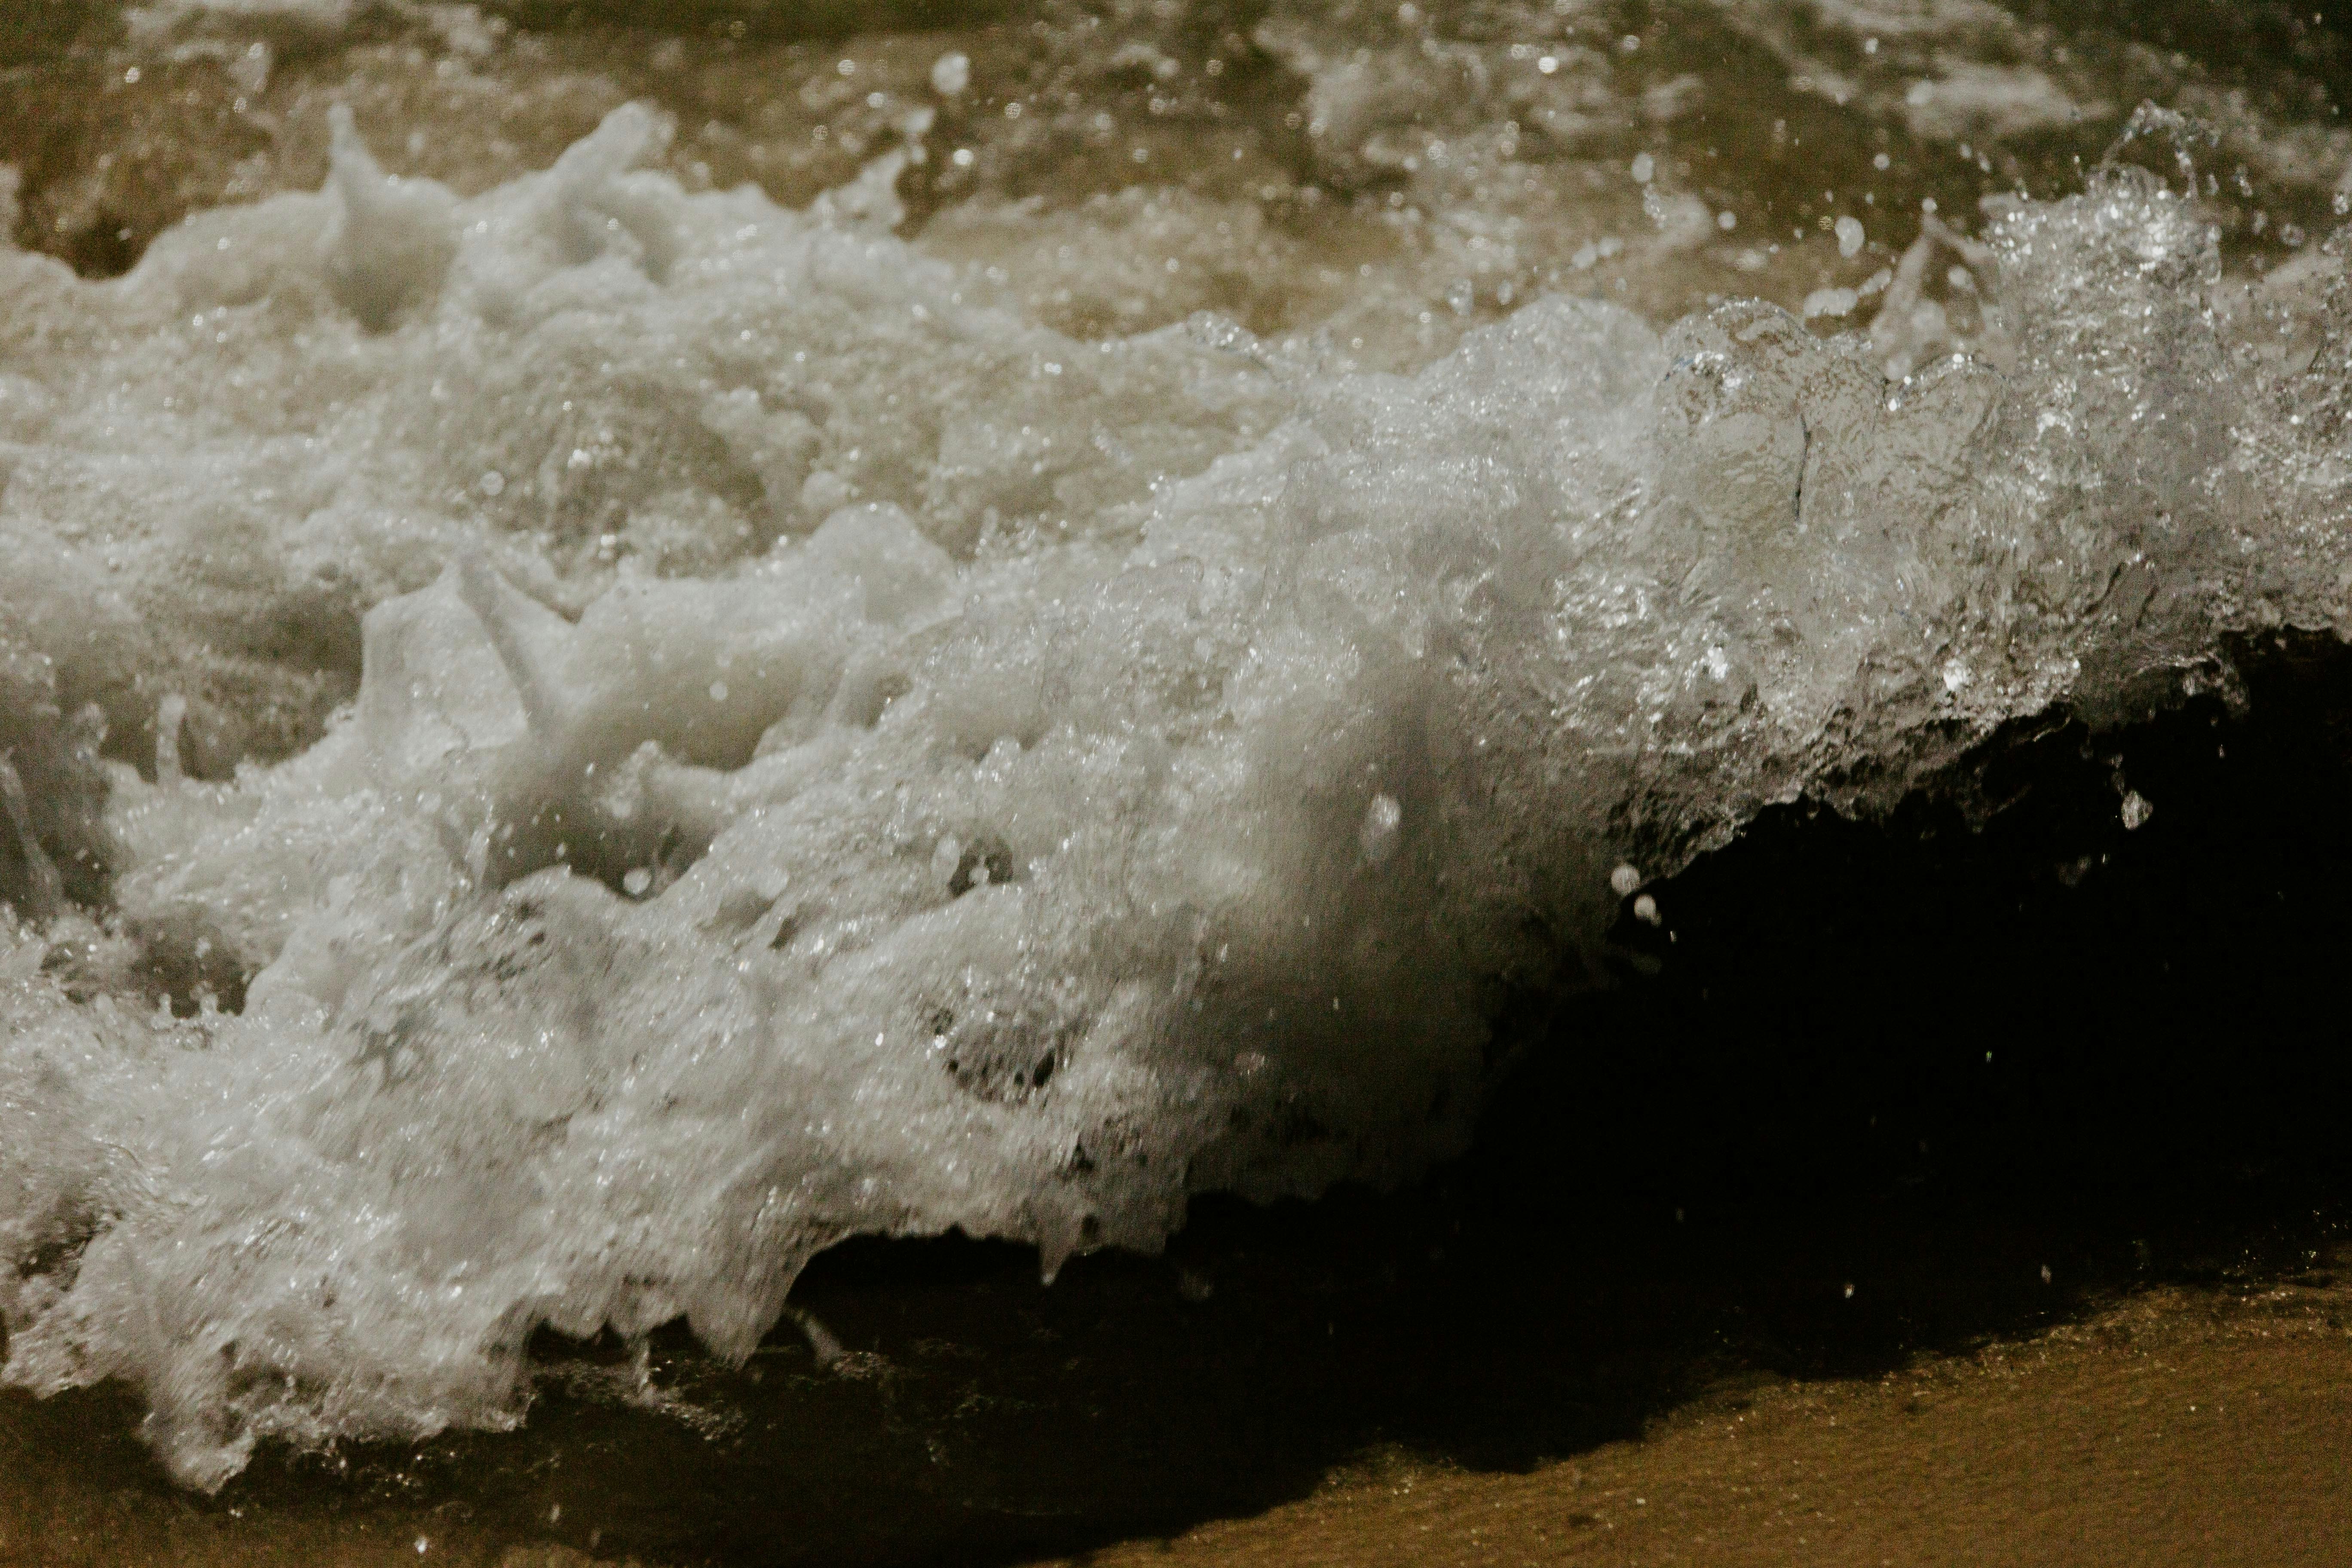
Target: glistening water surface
642,643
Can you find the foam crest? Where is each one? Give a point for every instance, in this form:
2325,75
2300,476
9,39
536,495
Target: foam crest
828,758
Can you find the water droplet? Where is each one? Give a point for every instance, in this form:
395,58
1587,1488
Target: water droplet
1378,835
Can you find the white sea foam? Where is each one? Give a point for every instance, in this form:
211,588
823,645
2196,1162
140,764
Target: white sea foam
836,757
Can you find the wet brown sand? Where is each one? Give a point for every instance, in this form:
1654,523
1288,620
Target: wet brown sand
2202,1425
2192,1427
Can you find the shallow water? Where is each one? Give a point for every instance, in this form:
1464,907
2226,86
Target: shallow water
637,646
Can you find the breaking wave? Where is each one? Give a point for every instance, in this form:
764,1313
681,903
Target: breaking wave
780,743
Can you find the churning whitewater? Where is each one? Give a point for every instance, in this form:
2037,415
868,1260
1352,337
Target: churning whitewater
835,755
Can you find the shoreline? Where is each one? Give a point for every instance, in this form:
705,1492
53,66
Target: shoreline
2178,1424
2192,1427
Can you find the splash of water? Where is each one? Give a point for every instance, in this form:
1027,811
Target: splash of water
834,756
